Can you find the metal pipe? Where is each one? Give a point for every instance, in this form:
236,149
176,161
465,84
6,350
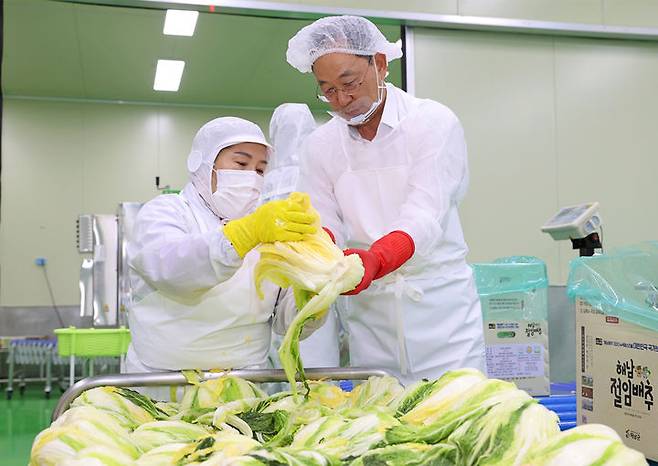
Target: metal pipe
157,379
28,379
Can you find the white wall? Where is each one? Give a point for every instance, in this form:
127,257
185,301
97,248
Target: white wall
61,159
549,122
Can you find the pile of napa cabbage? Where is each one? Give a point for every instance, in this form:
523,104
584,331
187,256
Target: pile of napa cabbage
462,418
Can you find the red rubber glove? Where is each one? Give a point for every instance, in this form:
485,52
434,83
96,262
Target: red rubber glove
384,256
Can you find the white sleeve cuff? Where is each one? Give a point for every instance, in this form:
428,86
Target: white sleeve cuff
223,256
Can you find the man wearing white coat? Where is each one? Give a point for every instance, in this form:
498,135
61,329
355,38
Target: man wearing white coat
192,259
290,124
386,174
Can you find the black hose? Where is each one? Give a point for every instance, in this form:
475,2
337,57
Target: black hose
52,297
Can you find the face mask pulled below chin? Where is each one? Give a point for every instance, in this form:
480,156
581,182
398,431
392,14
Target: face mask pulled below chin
364,117
238,193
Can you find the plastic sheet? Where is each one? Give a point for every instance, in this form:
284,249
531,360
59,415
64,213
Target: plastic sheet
622,283
512,276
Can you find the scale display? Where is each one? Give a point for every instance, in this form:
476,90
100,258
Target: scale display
574,222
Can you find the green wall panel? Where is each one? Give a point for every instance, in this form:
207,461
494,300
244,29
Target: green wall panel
82,51
40,49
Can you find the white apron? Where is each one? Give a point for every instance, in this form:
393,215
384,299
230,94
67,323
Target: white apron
424,318
225,327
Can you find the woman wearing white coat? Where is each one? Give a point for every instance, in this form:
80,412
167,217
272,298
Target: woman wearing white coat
192,259
290,124
386,175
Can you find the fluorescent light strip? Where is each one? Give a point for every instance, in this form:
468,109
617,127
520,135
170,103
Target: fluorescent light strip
180,22
168,75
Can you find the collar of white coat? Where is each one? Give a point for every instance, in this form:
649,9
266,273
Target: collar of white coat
204,216
390,115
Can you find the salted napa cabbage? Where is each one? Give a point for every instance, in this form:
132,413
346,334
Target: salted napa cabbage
99,455
129,407
232,445
327,395
433,423
409,454
92,414
318,272
376,391
213,449
460,419
292,457
229,410
585,445
344,437
279,401
169,408
80,428
503,434
426,400
215,392
305,414
275,419
535,425
169,454
153,434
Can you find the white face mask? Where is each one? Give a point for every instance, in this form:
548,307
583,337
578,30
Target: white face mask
238,192
365,116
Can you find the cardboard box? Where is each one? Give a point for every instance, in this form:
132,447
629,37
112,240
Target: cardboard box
616,378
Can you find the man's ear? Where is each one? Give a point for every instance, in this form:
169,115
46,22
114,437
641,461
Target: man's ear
381,64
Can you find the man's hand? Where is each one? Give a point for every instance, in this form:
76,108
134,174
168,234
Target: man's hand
384,256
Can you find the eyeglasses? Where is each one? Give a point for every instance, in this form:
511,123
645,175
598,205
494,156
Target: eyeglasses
350,88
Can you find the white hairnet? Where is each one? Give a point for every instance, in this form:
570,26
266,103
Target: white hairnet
214,136
344,34
289,125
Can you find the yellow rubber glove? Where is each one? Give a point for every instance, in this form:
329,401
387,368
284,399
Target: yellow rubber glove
284,220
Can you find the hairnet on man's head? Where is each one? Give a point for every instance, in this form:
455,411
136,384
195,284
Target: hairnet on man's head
289,125
344,34
214,136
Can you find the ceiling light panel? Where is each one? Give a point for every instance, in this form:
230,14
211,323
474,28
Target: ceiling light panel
180,22
168,75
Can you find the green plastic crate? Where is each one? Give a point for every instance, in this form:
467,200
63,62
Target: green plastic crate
91,342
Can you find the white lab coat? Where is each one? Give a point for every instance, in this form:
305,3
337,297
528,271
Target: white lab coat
194,300
424,318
